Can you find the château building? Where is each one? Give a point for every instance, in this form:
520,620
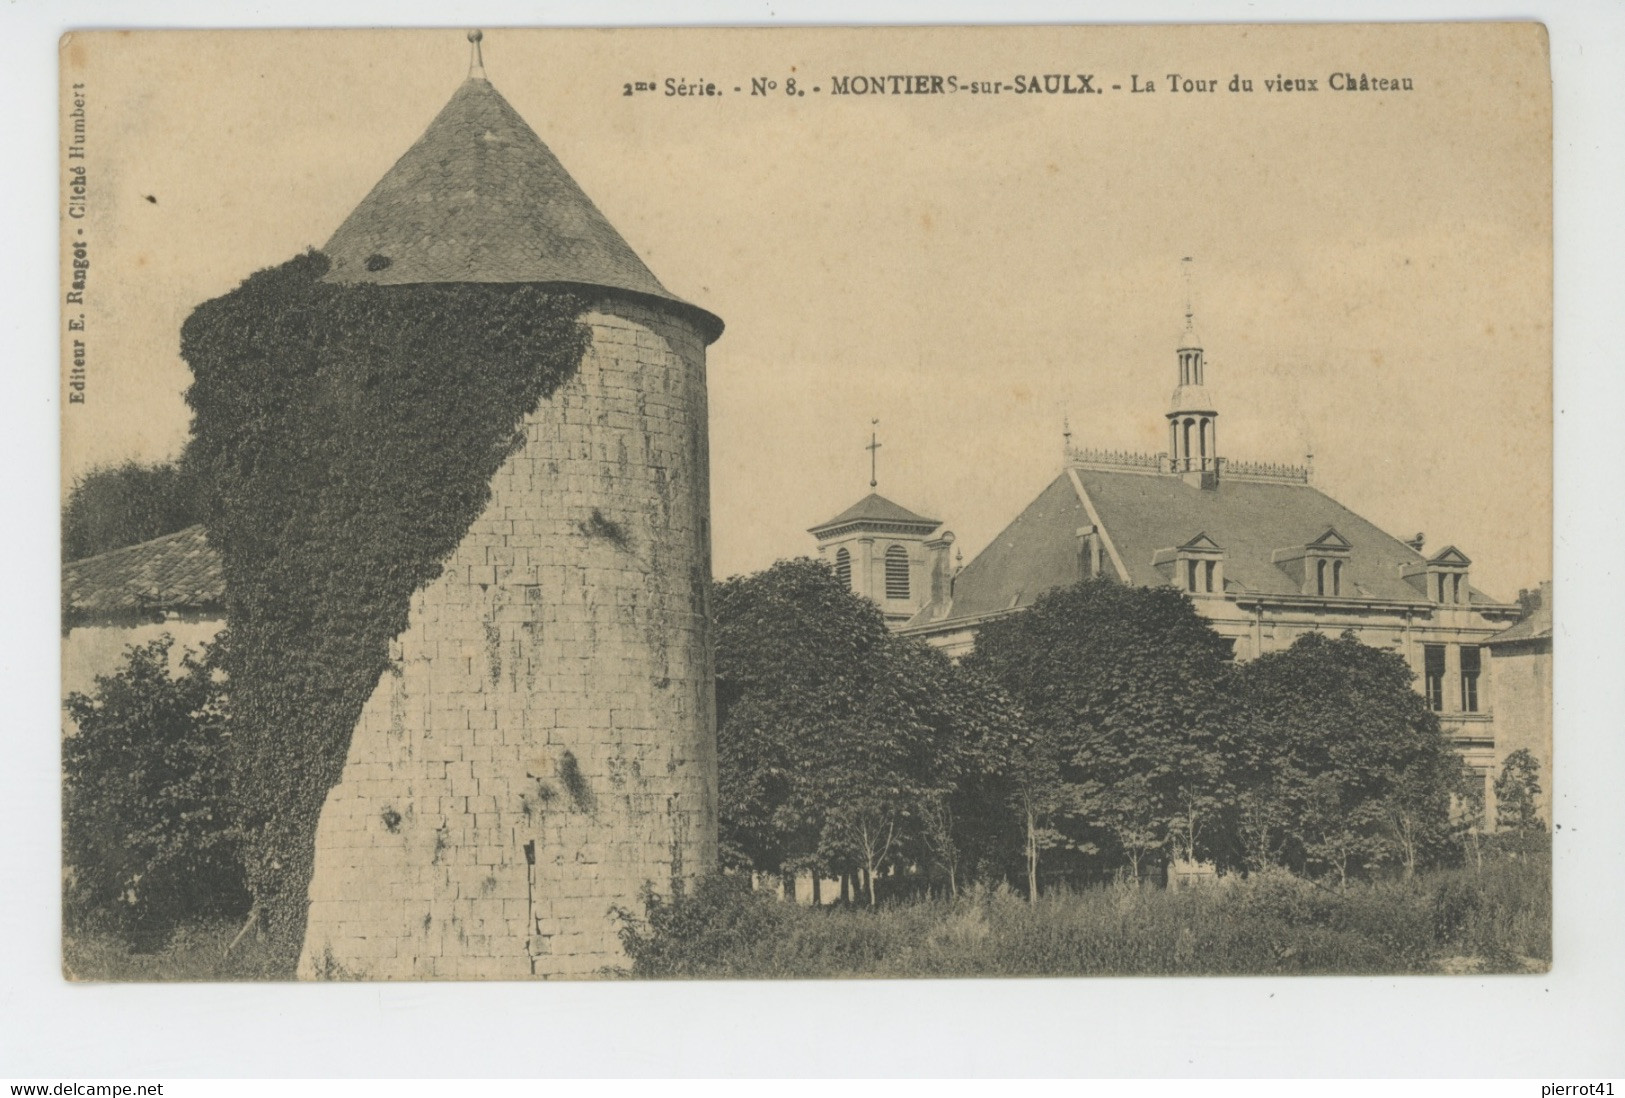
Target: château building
1262,553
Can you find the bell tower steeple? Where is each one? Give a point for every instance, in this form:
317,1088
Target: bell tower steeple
1192,418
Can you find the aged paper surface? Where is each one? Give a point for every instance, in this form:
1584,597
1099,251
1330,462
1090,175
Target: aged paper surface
973,236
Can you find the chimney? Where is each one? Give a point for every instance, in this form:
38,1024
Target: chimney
1088,551
942,572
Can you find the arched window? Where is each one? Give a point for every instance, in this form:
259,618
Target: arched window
1204,441
1189,423
1455,589
1320,577
1190,576
897,572
1209,567
843,567
1337,577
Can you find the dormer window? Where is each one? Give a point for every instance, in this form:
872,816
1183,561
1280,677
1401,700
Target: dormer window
1443,577
1197,567
1328,577
1320,567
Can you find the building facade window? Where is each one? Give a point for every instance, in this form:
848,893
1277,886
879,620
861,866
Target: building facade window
1433,675
1320,577
896,572
1337,577
1208,569
843,567
1190,576
1471,665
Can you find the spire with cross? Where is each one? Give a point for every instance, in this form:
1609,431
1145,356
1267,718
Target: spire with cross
1185,265
874,450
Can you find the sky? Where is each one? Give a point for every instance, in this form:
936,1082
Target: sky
1371,272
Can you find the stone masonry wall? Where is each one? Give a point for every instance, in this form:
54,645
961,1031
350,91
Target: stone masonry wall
543,743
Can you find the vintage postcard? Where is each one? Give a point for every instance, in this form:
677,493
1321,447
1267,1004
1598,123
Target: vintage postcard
814,502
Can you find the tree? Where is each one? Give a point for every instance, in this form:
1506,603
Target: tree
983,742
795,655
148,833
1340,763
1516,790
112,506
840,746
1118,689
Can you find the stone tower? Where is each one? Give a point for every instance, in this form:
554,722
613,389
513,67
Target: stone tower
543,743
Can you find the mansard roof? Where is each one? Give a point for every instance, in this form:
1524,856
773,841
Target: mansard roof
875,508
480,198
178,571
1142,514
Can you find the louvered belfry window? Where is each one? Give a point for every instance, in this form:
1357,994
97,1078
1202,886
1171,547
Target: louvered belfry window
897,572
843,567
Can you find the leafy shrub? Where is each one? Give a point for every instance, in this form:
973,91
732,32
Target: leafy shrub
689,934
148,834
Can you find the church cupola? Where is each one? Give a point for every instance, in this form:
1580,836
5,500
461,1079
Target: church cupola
1192,418
887,553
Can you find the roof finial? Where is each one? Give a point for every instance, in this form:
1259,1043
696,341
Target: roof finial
873,448
1185,264
476,59
1066,436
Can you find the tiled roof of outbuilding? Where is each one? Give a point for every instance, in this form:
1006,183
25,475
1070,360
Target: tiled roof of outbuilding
178,571
1536,626
480,198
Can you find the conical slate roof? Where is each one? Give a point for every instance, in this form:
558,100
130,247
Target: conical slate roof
479,198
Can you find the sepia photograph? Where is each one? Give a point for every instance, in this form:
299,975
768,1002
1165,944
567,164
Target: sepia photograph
806,503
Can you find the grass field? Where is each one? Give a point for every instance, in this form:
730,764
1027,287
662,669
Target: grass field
1494,919
1491,919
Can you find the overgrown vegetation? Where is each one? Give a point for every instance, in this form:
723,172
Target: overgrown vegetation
1497,919
112,506
345,436
148,833
203,949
